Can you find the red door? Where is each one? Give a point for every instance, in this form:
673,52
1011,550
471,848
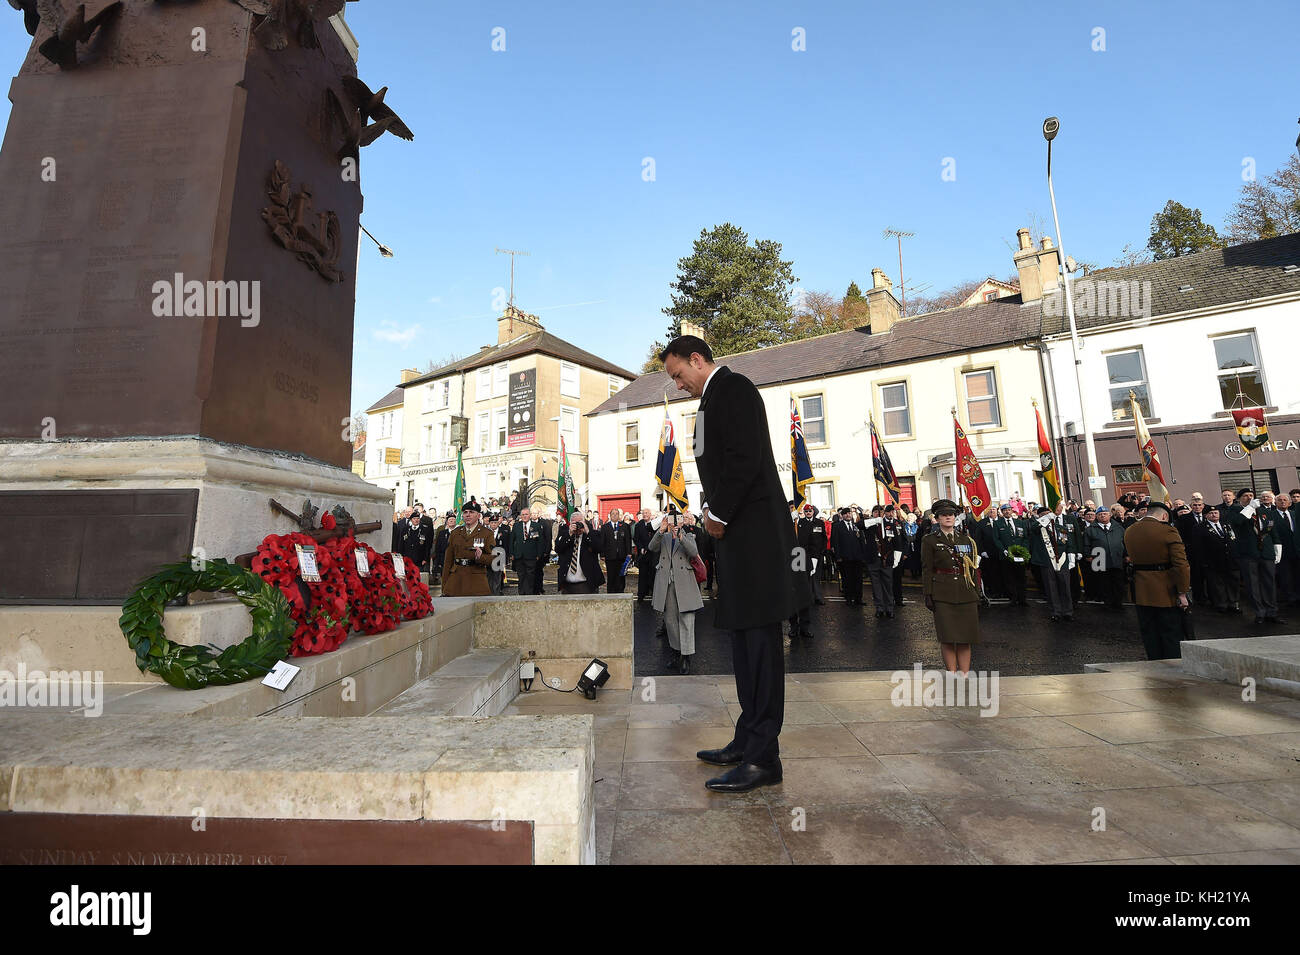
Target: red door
907,492
627,503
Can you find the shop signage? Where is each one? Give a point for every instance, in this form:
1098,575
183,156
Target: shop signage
1233,451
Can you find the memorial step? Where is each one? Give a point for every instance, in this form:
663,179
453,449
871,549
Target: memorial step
1272,661
478,683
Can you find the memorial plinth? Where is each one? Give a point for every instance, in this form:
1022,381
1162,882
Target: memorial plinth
178,245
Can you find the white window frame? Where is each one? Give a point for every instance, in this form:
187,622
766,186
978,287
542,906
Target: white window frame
991,396
624,444
886,409
444,398
1257,367
500,428
576,434
822,495
483,390
804,419
500,379
565,367
426,447
686,440
428,397
993,481
482,430
444,440
1149,411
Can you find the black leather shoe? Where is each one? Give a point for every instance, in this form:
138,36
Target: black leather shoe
686,663
1259,620
889,614
722,757
879,614
674,660
745,777
1275,619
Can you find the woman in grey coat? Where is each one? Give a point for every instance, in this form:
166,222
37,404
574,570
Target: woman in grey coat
676,594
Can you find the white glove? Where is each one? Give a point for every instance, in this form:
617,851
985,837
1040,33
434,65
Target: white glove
898,556
984,553
1072,562
1277,553
1249,509
814,564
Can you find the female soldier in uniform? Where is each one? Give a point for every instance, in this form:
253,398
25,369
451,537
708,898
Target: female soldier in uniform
469,554
949,560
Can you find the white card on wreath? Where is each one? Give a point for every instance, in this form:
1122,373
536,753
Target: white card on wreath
363,565
281,675
307,568
399,566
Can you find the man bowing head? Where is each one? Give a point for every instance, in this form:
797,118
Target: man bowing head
744,512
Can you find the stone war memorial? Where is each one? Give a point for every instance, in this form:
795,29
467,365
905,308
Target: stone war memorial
178,245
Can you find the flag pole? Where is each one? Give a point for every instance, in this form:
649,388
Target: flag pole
1250,455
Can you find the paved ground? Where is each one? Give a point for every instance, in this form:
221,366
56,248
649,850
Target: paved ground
1184,771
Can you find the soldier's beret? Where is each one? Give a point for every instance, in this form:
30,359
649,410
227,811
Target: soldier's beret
1043,510
1157,505
1006,507
472,506
945,506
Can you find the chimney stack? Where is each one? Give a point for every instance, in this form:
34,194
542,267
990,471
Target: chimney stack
514,323
690,328
1049,266
1027,263
409,373
883,309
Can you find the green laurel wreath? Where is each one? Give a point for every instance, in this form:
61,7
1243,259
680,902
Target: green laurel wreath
1018,550
190,667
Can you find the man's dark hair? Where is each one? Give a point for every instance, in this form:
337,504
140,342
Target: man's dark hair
683,346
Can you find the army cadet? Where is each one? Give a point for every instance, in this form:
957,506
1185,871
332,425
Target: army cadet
1162,581
1009,530
469,554
810,533
949,565
1259,550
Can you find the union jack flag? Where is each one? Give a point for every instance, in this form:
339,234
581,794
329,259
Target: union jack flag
800,467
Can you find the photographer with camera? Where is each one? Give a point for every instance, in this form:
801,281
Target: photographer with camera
579,558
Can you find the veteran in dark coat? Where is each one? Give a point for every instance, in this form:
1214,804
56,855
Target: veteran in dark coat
469,554
745,512
1162,581
949,581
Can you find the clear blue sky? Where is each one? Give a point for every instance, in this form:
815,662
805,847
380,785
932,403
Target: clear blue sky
540,147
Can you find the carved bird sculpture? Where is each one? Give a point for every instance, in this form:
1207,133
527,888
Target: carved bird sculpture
31,16
61,48
372,107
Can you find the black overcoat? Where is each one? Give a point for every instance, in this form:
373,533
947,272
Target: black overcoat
757,582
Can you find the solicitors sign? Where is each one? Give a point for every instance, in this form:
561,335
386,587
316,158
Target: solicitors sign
521,430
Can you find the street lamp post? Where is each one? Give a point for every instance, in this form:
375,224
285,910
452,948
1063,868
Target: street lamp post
1051,126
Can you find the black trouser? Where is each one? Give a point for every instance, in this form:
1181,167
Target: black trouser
1162,631
1013,576
882,586
645,582
1076,583
585,587
1111,583
760,686
539,572
526,568
991,575
897,573
614,576
1200,586
1225,586
711,563
851,580
1056,588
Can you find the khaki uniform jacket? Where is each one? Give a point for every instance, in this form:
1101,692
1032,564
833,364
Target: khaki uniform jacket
1150,541
471,580
936,556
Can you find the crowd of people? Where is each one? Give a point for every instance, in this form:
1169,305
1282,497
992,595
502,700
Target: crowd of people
1239,549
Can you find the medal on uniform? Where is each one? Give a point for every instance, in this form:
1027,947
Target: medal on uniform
307,568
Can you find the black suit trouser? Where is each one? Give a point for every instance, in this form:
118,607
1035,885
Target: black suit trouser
760,686
526,568
851,580
1225,586
539,573
645,582
614,576
1013,577
1162,631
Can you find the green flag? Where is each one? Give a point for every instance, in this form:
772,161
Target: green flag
459,500
567,492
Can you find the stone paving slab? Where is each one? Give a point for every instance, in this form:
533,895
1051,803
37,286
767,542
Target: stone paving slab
1184,770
